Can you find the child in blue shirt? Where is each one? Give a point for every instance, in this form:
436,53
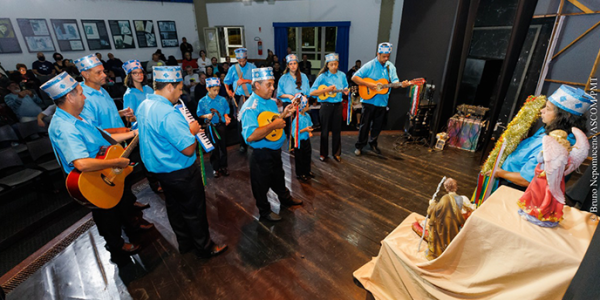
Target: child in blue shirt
304,149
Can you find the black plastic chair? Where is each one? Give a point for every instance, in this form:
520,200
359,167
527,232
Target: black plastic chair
9,139
30,131
43,155
14,173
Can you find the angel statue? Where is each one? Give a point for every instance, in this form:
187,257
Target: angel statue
543,201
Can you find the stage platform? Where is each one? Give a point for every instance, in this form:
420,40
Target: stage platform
348,210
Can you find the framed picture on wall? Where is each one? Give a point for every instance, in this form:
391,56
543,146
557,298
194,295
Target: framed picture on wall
96,34
8,39
144,30
67,34
168,33
36,35
122,34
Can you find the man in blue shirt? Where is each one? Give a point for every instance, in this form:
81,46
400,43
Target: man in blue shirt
239,76
168,149
76,143
25,104
373,111
214,109
266,168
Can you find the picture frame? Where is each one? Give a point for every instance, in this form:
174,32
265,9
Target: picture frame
8,38
36,34
122,34
96,34
168,33
67,34
144,30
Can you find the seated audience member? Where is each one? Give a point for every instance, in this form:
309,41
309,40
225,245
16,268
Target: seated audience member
215,65
115,65
25,104
26,78
172,61
42,68
210,72
276,59
161,56
72,70
224,68
44,118
223,90
190,80
203,61
188,61
200,90
155,62
59,64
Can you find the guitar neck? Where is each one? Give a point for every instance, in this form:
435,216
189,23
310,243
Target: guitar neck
130,147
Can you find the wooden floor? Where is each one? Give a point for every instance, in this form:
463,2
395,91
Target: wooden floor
348,209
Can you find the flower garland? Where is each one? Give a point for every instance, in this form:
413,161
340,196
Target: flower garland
516,130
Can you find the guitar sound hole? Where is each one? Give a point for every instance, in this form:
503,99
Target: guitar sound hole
105,179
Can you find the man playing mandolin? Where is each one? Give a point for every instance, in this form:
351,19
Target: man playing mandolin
266,167
76,143
374,109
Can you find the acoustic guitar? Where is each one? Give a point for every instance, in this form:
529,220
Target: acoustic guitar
383,87
333,93
103,188
266,117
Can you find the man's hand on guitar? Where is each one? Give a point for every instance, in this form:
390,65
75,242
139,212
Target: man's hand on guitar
278,123
121,162
194,127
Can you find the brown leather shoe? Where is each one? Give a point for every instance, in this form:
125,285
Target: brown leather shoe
291,201
213,251
130,248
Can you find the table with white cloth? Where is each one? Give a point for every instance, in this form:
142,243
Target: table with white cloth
497,255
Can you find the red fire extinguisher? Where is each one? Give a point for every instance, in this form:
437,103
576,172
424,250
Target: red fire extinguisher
260,47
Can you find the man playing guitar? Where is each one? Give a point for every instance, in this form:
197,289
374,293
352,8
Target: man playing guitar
240,76
373,110
76,143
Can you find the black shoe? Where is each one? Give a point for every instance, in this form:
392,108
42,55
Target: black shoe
243,149
291,202
357,152
216,174
337,158
375,149
213,251
311,174
273,217
224,172
322,158
302,178
129,248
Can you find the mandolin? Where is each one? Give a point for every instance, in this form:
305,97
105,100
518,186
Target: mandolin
383,87
103,188
333,93
266,117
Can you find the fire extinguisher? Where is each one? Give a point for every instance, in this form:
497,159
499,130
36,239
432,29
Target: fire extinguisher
260,47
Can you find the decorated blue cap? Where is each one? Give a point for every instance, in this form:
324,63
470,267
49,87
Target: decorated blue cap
167,74
212,82
384,48
291,57
259,74
241,53
131,65
571,99
332,57
303,100
87,62
59,86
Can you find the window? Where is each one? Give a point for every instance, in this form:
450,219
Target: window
314,42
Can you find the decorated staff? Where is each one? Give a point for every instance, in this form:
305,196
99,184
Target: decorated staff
168,149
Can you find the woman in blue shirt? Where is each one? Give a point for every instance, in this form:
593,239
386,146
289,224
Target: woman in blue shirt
564,109
291,83
331,108
137,84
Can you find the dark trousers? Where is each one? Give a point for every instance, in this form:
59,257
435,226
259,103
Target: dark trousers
266,171
186,208
109,223
218,157
238,100
303,157
371,120
331,120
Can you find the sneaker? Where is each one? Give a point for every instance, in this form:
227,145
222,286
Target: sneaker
357,152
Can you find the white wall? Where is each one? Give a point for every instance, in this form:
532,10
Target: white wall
258,17
181,13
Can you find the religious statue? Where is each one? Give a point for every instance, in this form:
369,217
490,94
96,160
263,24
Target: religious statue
543,201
